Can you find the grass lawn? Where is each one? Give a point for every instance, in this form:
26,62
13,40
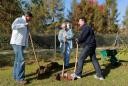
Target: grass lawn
114,76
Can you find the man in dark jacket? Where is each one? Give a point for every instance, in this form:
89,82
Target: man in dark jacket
87,39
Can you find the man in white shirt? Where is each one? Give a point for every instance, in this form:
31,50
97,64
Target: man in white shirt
19,40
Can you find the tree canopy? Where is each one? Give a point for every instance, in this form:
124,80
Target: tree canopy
49,14
102,17
9,10
126,18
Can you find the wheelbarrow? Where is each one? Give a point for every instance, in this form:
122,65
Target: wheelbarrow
110,55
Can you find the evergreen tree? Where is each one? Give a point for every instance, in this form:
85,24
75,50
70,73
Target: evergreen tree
47,15
9,10
112,15
102,17
125,22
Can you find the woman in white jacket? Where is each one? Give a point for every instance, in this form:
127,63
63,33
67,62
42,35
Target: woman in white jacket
19,40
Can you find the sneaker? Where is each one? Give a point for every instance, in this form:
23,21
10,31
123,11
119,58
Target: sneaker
74,76
97,77
22,82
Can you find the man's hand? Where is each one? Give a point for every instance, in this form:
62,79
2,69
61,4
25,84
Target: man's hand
65,39
76,39
26,24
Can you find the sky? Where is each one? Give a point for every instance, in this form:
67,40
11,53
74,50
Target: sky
121,6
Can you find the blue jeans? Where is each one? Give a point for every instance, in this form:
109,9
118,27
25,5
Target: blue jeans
65,50
88,51
19,63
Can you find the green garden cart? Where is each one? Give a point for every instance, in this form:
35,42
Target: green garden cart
110,55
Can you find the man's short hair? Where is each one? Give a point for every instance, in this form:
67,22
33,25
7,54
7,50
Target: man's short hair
28,14
83,18
67,21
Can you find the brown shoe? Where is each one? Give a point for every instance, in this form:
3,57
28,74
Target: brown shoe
22,82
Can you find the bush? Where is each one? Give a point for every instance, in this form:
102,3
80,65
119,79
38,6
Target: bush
105,39
5,42
47,41
109,39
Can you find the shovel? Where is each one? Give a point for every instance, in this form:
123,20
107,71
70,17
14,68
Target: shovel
67,76
41,69
76,57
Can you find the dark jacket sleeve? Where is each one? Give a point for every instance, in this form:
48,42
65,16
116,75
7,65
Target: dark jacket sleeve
83,35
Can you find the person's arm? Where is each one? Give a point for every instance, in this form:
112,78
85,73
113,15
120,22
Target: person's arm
18,24
69,35
83,35
60,36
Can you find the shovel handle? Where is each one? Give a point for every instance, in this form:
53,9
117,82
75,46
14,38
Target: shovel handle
76,57
63,70
34,50
63,57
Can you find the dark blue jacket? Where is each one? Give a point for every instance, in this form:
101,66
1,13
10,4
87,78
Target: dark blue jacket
87,37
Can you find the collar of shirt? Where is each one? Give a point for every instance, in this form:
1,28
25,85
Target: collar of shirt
23,17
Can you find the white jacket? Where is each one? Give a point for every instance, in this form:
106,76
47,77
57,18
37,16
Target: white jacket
69,36
19,32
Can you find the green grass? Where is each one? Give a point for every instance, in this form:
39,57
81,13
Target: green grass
117,76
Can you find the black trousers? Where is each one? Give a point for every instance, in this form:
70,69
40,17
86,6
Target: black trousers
88,51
